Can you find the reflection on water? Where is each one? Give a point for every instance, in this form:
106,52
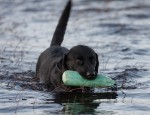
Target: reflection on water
64,103
118,30
82,103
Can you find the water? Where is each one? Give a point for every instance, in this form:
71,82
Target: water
118,30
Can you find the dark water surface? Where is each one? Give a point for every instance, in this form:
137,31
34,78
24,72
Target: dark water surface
118,30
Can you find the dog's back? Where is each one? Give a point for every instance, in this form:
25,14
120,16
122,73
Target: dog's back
47,60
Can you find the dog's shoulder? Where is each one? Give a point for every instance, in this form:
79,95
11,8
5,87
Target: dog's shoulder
54,52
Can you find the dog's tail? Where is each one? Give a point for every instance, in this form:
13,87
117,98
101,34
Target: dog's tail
61,27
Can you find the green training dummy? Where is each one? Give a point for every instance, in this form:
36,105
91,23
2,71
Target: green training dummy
73,78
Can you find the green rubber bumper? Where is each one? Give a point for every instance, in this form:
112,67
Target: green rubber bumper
73,78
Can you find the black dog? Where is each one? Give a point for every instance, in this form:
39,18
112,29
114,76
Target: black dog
56,59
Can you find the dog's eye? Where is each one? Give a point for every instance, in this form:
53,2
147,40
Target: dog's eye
79,62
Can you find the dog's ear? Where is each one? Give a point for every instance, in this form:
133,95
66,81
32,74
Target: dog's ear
97,63
62,64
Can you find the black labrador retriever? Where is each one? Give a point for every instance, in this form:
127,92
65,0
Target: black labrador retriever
56,59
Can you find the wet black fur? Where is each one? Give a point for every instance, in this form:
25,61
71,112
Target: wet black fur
56,59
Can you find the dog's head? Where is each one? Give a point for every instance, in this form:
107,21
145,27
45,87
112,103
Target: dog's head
83,60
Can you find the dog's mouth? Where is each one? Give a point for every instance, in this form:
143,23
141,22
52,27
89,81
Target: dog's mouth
89,77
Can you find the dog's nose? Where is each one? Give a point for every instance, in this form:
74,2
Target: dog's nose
91,75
